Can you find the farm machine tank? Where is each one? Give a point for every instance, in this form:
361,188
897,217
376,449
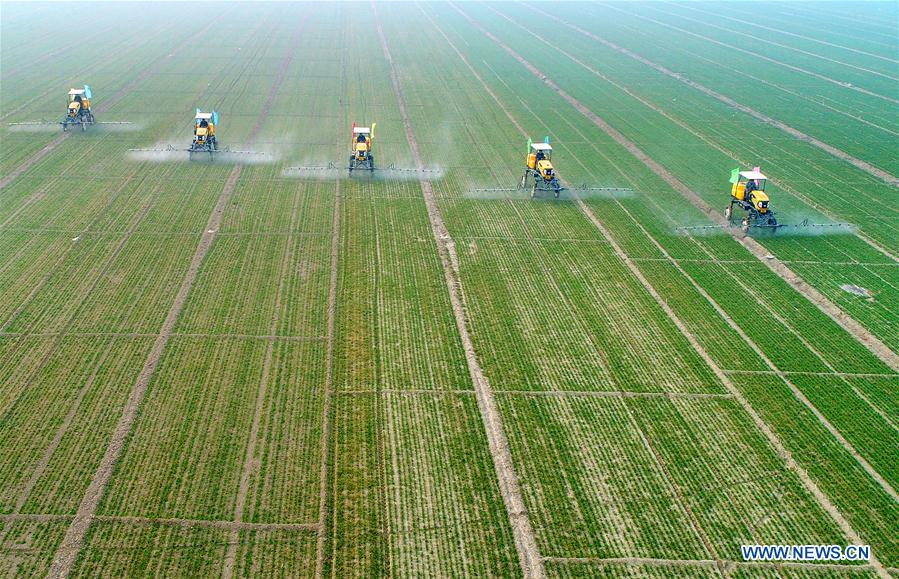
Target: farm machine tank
747,193
204,133
78,111
539,167
361,154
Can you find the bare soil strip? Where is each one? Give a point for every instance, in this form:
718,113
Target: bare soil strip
842,155
197,335
115,98
525,541
329,356
251,462
801,373
761,57
805,198
763,427
854,328
67,553
609,394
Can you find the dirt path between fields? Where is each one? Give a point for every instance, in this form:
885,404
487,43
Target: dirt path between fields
114,99
804,198
525,540
842,155
763,427
849,324
251,461
170,522
321,544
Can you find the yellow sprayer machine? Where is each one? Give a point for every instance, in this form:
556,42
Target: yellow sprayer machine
747,192
205,141
78,112
361,154
79,109
539,166
204,132
361,158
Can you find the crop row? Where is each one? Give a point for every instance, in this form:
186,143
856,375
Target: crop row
396,325
59,389
415,490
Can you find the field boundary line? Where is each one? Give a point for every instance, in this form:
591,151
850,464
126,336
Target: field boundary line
763,427
251,462
171,522
853,327
822,374
112,101
708,140
610,394
519,519
762,57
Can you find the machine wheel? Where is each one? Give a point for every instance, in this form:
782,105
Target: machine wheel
534,190
729,212
524,180
83,125
744,225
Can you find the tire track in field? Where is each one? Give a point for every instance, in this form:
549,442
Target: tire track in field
251,461
779,45
760,56
780,31
321,543
763,427
708,140
68,550
112,101
830,149
848,323
519,519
